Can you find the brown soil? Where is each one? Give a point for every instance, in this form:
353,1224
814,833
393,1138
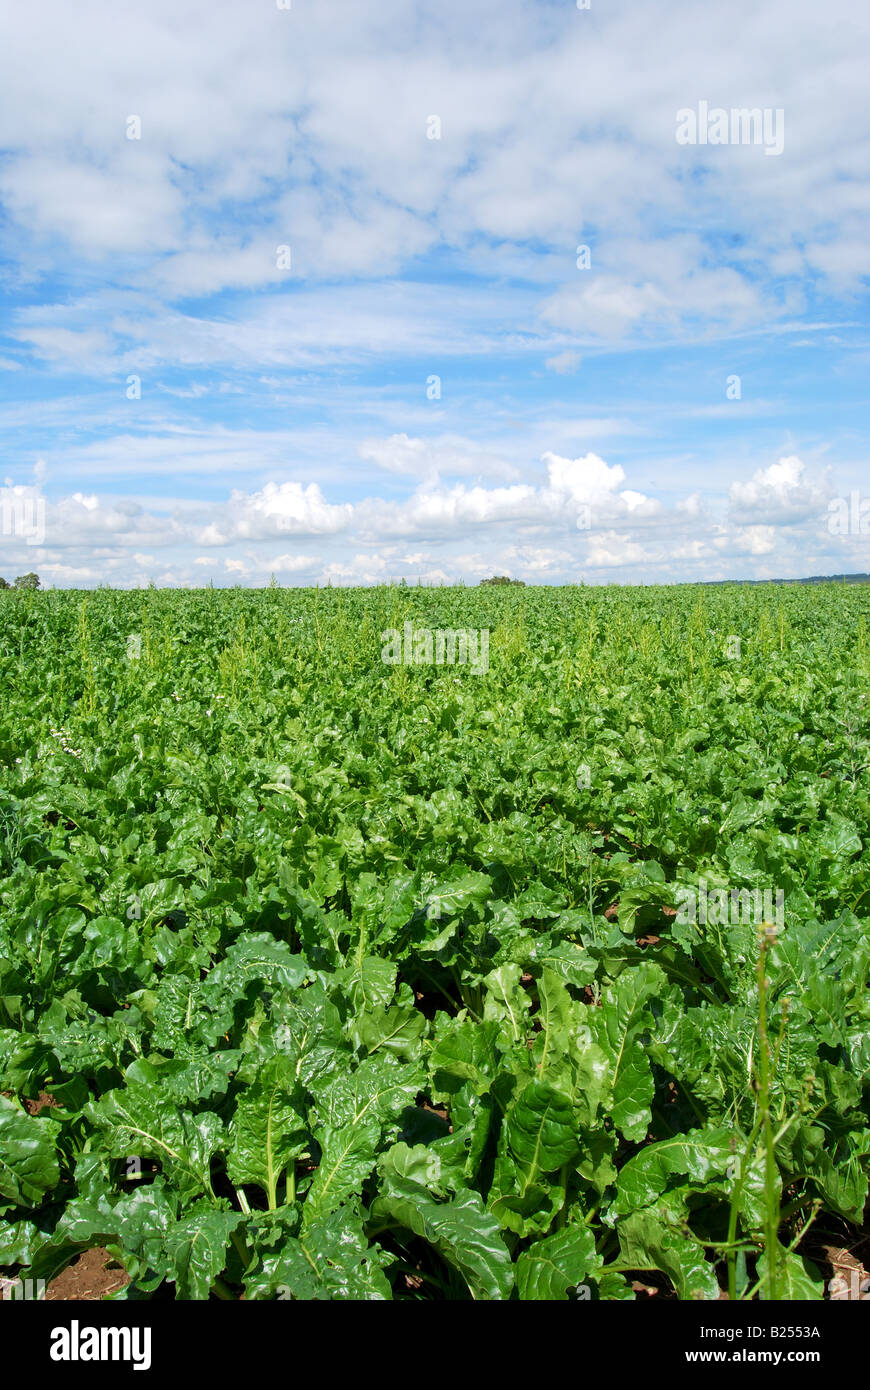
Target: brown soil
44,1102
91,1277
846,1275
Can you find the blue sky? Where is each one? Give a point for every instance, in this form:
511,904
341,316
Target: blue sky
433,388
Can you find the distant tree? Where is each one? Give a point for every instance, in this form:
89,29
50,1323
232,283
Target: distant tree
503,579
4,584
27,581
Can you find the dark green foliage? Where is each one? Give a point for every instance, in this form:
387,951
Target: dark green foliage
375,970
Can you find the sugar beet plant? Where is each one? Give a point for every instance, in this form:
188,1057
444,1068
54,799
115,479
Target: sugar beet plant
322,978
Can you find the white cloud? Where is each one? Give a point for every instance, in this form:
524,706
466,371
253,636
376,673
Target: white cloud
755,540
589,482
605,306
292,564
278,509
410,256
611,306
431,458
127,203
781,493
579,515
564,362
86,348
613,550
586,479
324,131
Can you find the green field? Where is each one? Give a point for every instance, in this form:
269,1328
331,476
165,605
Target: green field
348,979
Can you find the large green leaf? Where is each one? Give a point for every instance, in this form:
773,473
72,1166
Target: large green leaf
464,1051
137,1120
268,1128
697,1157
797,1278
355,1108
28,1154
463,1233
540,1136
330,1260
397,1029
619,1025
540,1131
556,1264
192,1252
653,1239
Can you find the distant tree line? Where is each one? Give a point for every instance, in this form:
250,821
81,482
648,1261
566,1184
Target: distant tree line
24,581
503,579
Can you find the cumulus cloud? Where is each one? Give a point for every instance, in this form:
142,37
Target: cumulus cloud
784,492
579,518
583,479
593,488
279,509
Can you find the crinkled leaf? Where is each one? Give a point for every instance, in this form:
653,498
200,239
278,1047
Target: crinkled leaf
330,1260
28,1154
462,1232
552,1266
267,1130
